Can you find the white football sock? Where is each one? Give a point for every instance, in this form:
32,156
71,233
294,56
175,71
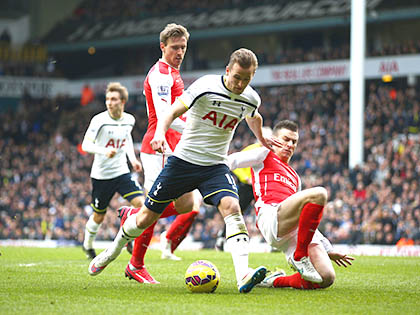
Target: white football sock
90,232
237,243
130,227
128,232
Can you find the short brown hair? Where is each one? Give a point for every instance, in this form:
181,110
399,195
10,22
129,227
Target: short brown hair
173,30
286,124
118,87
244,57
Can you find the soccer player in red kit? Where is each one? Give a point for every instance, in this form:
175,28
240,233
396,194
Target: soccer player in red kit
287,216
162,86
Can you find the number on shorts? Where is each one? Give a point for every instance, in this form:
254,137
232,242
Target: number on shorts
231,180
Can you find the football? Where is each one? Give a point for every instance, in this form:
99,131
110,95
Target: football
202,277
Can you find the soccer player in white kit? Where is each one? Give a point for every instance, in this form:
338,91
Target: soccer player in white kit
216,104
287,216
108,137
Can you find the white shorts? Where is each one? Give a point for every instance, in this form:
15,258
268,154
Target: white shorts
268,225
152,166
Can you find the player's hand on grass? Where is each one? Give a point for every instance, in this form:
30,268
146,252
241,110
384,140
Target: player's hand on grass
341,259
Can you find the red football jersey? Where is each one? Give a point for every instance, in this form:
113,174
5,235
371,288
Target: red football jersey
274,180
162,86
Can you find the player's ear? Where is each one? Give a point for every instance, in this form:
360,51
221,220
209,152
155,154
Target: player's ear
162,46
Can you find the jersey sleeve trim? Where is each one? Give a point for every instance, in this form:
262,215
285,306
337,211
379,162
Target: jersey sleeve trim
183,103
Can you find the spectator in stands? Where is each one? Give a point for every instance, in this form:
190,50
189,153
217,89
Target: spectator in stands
5,37
87,95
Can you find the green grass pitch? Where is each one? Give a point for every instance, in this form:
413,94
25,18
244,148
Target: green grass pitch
55,281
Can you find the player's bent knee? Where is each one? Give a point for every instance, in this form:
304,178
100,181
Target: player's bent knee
320,195
229,205
98,217
327,279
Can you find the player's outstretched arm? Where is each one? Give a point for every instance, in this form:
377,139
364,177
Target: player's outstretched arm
342,260
255,124
247,158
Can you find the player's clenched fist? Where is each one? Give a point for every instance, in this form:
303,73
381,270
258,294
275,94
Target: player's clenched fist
158,144
111,153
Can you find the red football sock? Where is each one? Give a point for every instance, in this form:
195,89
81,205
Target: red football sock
169,211
180,228
309,219
141,244
295,281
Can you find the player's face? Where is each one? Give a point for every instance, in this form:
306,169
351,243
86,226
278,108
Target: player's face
288,141
238,78
114,104
174,51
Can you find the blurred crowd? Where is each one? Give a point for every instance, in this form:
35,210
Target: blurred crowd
45,183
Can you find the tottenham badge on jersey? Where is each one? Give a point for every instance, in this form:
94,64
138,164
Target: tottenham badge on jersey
163,90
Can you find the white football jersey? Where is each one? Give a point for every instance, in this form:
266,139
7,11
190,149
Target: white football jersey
213,115
104,133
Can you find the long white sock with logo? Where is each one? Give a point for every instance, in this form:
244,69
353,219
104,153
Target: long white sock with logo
237,243
91,229
128,232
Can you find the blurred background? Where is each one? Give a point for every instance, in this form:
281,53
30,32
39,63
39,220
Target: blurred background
56,58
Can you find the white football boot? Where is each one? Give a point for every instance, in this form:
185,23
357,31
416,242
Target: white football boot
270,277
306,269
253,277
165,247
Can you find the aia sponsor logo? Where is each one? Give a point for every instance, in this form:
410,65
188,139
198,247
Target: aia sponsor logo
221,120
115,143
